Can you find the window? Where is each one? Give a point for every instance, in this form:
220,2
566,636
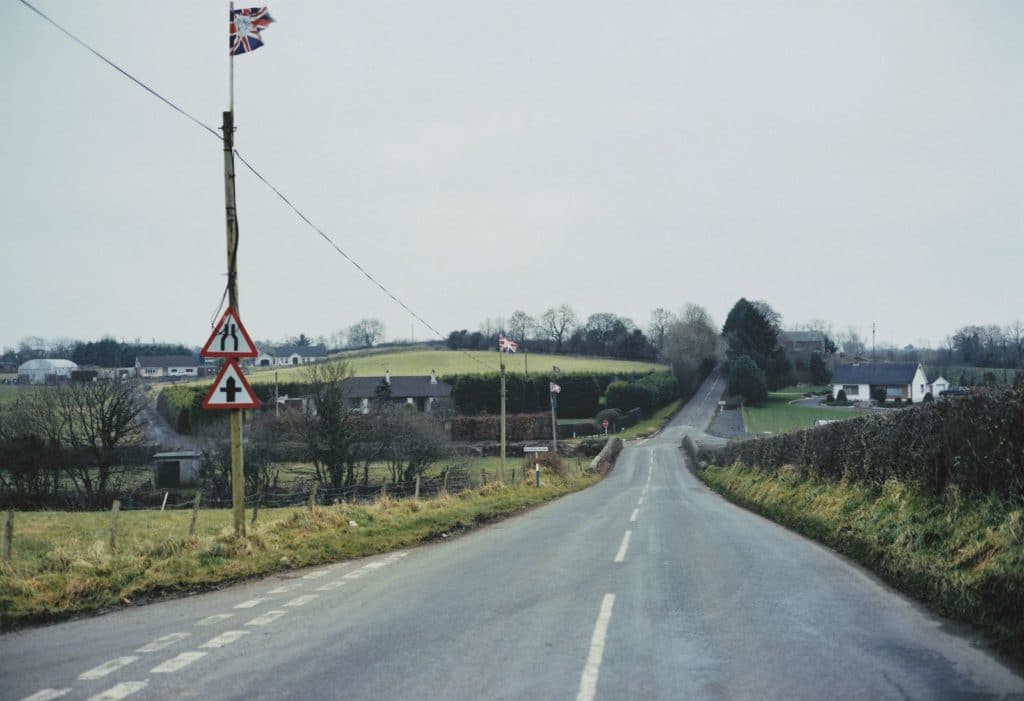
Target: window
851,390
895,390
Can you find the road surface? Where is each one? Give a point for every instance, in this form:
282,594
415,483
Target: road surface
646,586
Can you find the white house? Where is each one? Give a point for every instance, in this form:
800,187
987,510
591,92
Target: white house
900,380
290,355
425,393
153,366
939,386
38,372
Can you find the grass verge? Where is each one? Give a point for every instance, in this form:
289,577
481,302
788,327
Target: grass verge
63,566
963,556
649,427
777,415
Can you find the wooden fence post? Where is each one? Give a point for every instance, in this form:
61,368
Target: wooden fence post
444,487
113,525
259,498
417,486
195,512
312,497
384,490
9,536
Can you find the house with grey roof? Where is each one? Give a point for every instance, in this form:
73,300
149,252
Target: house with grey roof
290,355
423,392
803,341
900,381
156,366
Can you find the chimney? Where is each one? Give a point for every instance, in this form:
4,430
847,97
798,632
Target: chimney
387,376
433,377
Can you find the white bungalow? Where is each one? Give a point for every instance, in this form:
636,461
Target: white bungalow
900,380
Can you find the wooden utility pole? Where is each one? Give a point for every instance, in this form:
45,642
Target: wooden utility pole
237,466
501,354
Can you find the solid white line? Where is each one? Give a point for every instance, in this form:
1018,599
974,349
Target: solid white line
621,555
250,603
215,618
268,617
176,663
330,586
301,600
106,668
120,691
316,574
588,680
225,638
165,641
632,517
47,694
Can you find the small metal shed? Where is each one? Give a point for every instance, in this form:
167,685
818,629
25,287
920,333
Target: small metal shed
176,469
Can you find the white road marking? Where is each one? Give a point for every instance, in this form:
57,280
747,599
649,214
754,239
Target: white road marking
331,585
250,603
398,555
120,691
284,588
47,694
588,680
175,663
268,617
106,668
301,600
355,575
376,565
640,501
225,638
632,517
165,641
316,574
621,555
216,618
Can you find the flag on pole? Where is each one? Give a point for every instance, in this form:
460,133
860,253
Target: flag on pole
246,25
507,346
553,388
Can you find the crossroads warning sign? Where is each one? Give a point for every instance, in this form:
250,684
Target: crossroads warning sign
229,339
231,390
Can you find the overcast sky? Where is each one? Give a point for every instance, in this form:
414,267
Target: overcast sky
851,162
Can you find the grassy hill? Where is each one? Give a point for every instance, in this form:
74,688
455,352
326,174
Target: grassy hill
449,362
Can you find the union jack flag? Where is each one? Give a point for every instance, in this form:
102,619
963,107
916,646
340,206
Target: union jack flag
555,389
507,346
246,25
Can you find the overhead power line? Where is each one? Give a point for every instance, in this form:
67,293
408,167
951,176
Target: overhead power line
258,175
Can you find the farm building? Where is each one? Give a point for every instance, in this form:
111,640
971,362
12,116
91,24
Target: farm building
900,381
939,386
152,366
424,392
291,355
38,372
176,469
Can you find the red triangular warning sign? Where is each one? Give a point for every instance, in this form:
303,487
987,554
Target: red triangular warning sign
231,390
229,339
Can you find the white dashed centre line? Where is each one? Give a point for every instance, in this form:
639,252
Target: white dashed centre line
331,585
106,668
355,575
225,638
120,691
216,618
588,680
250,603
47,694
175,663
301,600
265,619
165,641
639,502
621,555
632,517
284,588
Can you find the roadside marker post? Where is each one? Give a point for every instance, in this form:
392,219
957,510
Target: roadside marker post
536,463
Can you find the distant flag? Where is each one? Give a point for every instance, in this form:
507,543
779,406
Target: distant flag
507,346
556,369
554,389
246,25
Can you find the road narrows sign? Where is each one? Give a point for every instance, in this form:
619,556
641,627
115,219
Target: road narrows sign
229,339
231,390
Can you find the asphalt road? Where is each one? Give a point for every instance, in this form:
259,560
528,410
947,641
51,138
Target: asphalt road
646,586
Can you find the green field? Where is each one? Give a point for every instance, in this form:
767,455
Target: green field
448,362
974,375
777,415
9,393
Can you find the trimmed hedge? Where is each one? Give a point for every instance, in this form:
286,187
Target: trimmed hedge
975,443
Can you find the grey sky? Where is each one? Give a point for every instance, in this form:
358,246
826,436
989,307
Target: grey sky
851,162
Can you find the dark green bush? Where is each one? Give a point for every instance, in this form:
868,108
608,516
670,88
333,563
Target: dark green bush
628,395
748,380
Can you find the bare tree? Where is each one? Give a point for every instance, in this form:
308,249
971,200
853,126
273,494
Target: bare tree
365,332
328,431
558,323
519,325
661,319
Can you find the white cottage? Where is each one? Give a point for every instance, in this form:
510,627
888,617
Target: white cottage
900,381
